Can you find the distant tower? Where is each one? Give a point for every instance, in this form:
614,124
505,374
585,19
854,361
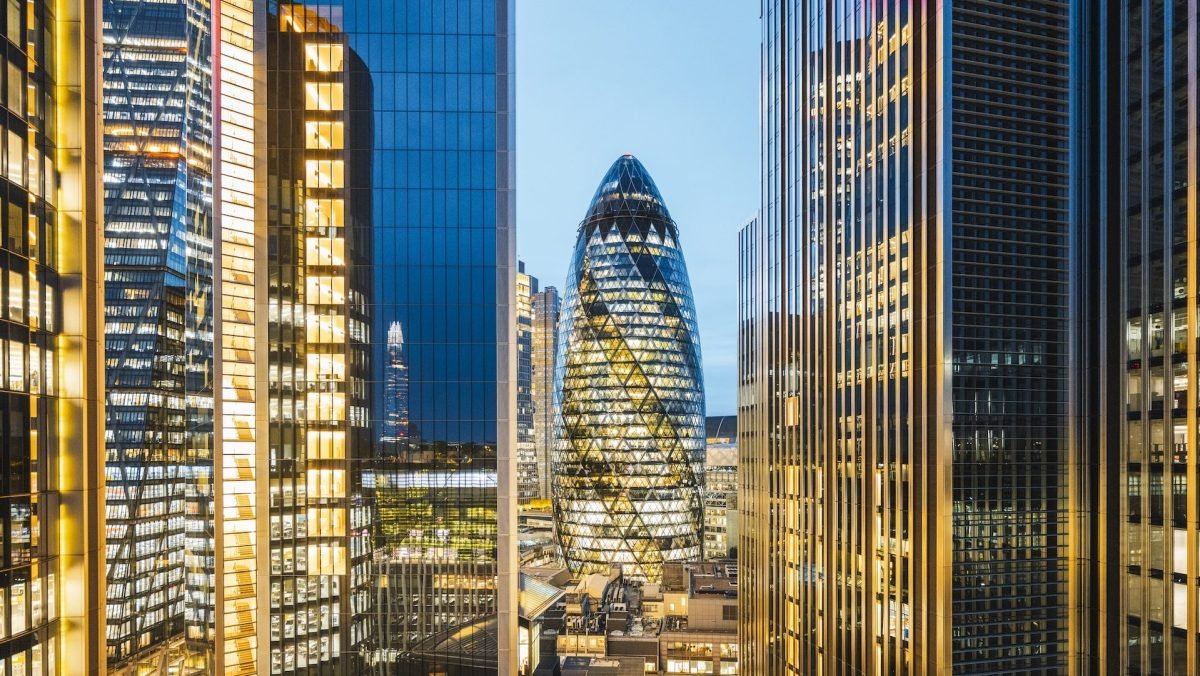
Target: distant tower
628,462
545,351
527,476
395,398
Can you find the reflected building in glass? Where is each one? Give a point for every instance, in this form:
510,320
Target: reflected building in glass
158,345
368,378
628,462
319,355
908,465
397,428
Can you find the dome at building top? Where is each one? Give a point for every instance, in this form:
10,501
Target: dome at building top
627,190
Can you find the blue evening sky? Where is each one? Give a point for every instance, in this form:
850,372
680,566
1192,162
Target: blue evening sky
675,82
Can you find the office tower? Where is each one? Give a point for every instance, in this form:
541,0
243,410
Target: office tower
446,558
1140,178
907,464
545,351
364,179
526,459
158,282
396,424
628,462
319,302
294,528
51,326
720,486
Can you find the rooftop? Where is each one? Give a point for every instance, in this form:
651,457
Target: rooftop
627,190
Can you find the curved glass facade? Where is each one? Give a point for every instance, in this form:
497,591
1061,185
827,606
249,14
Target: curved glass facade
628,461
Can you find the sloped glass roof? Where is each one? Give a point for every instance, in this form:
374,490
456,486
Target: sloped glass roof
628,190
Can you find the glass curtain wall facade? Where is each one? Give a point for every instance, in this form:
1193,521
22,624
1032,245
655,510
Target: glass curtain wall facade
319,133
905,353
158,345
628,463
720,487
240,617
545,351
411,229
445,269
527,286
1148,50
52,607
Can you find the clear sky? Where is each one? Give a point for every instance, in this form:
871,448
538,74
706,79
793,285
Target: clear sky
675,82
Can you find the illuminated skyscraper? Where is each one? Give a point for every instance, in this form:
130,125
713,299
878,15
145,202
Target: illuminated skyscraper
1140,178
319,359
350,198
527,477
720,487
158,286
51,330
445,268
537,338
241,485
628,462
397,428
545,352
906,391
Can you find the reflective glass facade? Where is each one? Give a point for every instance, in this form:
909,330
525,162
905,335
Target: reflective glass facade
369,386
51,331
1148,53
545,352
158,346
444,268
319,357
367,285
720,487
526,459
237,636
628,462
905,382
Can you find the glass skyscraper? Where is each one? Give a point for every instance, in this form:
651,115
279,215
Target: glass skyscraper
908,469
720,487
319,130
365,455
526,458
158,345
396,422
52,605
545,352
628,462
1142,171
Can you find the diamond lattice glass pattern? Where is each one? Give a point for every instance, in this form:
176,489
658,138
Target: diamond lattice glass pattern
628,461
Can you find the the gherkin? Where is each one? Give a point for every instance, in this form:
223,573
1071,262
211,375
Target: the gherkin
628,460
